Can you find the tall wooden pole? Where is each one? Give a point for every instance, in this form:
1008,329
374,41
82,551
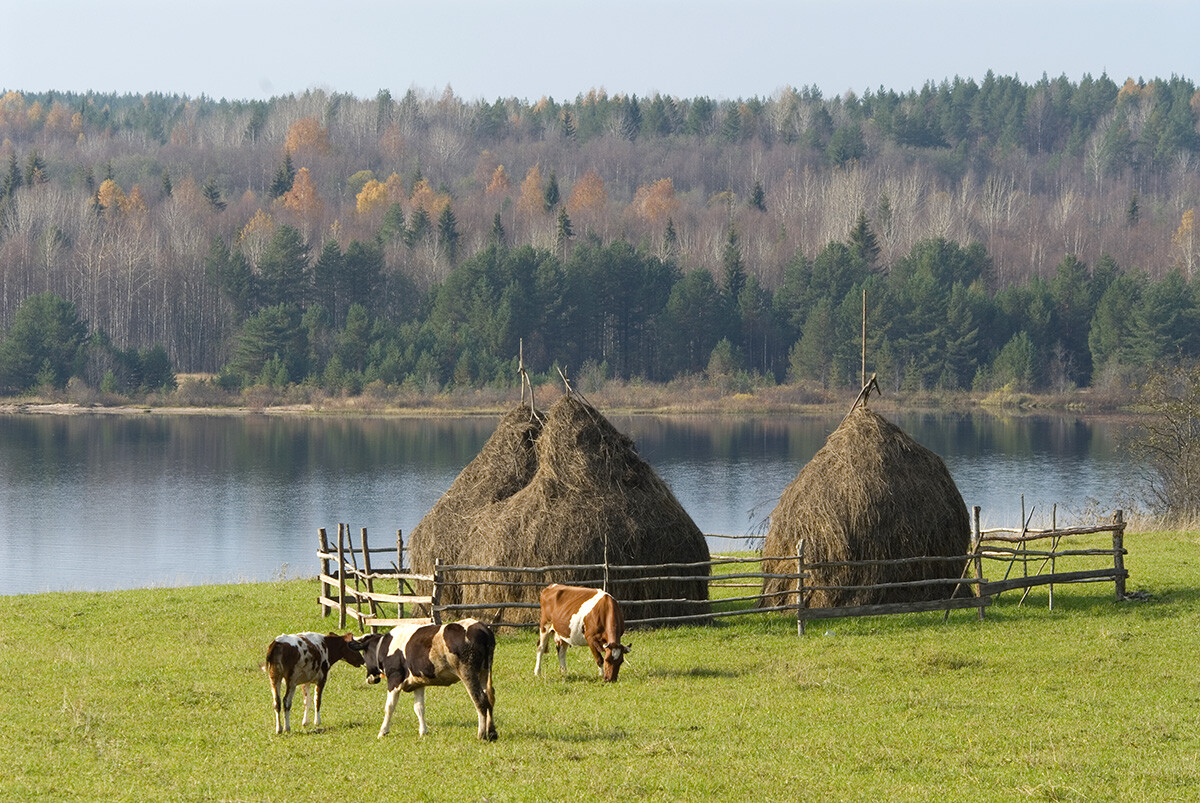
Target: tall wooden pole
863,383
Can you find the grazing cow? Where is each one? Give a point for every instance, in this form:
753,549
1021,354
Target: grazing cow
582,616
413,656
300,659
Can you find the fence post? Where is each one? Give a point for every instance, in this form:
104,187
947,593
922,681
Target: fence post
370,580
399,571
322,550
800,621
435,598
1119,552
977,551
341,577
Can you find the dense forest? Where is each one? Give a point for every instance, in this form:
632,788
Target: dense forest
1002,234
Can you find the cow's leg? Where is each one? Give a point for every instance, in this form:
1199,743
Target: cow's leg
598,656
317,703
419,708
305,690
389,706
277,701
484,699
543,647
287,705
562,654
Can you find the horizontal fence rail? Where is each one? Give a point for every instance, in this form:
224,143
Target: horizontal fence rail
356,592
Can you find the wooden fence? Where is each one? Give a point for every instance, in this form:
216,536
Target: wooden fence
351,587
735,582
1020,548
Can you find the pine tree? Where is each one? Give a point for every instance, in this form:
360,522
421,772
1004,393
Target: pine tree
631,122
551,196
166,184
12,179
212,194
563,232
862,239
35,169
498,235
284,177
732,268
758,198
447,228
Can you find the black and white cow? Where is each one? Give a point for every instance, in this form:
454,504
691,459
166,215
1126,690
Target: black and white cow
301,659
413,656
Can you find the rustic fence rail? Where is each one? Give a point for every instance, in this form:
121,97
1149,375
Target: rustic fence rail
337,593
351,587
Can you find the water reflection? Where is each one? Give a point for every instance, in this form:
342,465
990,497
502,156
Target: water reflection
101,502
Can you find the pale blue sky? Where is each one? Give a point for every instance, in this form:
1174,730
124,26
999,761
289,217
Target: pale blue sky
527,49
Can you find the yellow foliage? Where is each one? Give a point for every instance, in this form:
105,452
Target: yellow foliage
35,112
307,135
58,118
532,200
588,195
261,227
373,196
12,107
302,198
654,203
134,204
110,196
423,197
1130,90
499,183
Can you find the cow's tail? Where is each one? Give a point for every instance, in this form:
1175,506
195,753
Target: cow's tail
271,657
488,654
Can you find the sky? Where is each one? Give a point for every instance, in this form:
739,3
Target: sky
527,49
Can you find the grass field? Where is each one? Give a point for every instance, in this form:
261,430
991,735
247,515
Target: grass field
157,695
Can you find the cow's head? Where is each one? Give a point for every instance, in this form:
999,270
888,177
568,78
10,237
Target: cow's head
614,656
342,648
368,647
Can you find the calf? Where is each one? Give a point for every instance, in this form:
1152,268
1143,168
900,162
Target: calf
579,616
413,656
300,659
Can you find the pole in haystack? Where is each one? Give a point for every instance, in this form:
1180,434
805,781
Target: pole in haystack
525,378
864,339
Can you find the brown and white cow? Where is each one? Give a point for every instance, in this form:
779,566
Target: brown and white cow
582,616
301,659
413,656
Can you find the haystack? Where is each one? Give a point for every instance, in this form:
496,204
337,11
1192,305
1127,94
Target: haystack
591,500
505,465
870,493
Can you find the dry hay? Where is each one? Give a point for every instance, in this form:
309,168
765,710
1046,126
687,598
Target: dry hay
591,498
870,493
503,466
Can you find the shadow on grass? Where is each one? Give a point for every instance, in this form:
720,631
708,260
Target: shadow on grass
696,672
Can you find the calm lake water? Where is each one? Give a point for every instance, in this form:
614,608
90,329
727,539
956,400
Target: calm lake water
101,502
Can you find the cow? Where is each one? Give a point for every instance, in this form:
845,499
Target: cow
579,616
301,659
413,656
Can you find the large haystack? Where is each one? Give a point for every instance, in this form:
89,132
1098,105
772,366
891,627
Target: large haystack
870,493
592,499
505,465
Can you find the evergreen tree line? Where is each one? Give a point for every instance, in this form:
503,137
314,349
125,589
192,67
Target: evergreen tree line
615,310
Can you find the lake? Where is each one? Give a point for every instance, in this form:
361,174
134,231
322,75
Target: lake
102,502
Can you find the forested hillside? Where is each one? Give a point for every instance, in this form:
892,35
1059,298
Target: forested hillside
1034,235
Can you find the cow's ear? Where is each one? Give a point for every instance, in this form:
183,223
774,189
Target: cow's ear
628,647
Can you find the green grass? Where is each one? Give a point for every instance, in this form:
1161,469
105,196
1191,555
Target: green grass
156,695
